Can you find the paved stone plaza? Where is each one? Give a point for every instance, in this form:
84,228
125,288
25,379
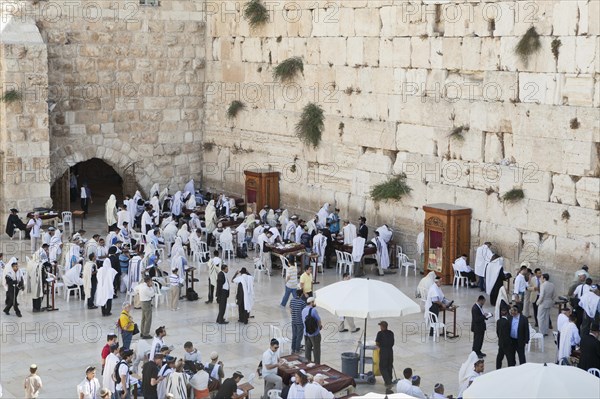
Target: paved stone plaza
64,343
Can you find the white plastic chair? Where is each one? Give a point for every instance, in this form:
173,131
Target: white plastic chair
59,285
274,394
405,262
232,306
16,230
158,294
276,333
458,279
594,371
285,265
75,290
340,262
436,325
259,269
67,217
535,336
348,262
227,251
201,253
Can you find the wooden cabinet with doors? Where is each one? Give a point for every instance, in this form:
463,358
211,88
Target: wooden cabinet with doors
447,236
262,188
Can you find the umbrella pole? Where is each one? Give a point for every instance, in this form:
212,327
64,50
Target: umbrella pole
364,351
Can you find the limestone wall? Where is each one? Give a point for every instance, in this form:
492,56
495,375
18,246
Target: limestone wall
394,79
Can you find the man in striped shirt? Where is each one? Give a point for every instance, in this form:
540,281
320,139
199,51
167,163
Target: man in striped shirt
297,303
175,281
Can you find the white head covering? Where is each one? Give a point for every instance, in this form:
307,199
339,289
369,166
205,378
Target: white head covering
18,275
155,190
323,214
189,187
184,233
177,248
210,216
226,235
176,204
502,296
163,195
111,210
466,371
589,303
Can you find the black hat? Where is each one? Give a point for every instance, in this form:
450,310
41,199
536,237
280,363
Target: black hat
238,374
14,210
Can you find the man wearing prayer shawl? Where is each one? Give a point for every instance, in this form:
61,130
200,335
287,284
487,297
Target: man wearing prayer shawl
501,301
312,225
469,370
482,256
383,258
134,272
568,339
72,277
156,208
349,232
105,290
90,280
290,230
263,214
322,216
210,218
284,219
111,211
13,282
589,302
494,277
245,294
184,234
319,246
385,233
271,218
36,276
176,205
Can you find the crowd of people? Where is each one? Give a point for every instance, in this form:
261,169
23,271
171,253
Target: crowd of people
151,245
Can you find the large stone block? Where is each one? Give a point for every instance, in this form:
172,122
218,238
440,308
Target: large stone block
588,192
563,190
367,22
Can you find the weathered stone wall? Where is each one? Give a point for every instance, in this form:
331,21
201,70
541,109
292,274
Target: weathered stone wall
24,136
394,79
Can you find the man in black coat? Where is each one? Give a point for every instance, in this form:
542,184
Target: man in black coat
505,347
222,293
363,230
15,222
385,342
590,349
519,333
478,318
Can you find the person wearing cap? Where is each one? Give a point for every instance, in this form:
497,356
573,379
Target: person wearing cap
229,387
315,389
385,342
214,267
312,340
34,226
264,240
438,391
37,273
165,371
215,367
175,282
15,282
583,271
146,293
108,366
105,393
33,383
590,349
15,222
222,294
590,308
270,362
89,388
123,387
290,230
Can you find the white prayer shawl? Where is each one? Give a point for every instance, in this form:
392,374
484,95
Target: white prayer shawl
155,190
502,296
467,371
178,262
492,272
109,369
210,216
214,267
226,236
589,303
105,290
162,198
184,234
383,258
323,213
319,245
271,218
165,222
189,187
162,386
170,232
55,251
91,247
311,226
191,201
424,285
421,243
284,219
18,276
290,230
226,204
194,222
35,281
111,210
87,278
73,276
124,216
241,233
176,204
177,385
358,249
248,287
433,292
385,233
482,256
134,273
299,231
137,196
296,392
262,214
460,265
156,208
250,220
256,233
132,209
349,232
74,252
569,335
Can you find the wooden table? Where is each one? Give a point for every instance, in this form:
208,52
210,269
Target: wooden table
80,215
451,334
335,381
246,387
288,249
52,217
368,251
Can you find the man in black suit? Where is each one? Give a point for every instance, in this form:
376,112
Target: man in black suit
505,347
478,318
363,230
222,293
590,349
519,333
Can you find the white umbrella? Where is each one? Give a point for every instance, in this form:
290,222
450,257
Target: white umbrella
535,380
367,299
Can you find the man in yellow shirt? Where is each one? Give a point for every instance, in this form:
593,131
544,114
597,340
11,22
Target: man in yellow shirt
127,325
306,282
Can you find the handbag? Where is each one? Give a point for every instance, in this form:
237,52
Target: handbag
136,329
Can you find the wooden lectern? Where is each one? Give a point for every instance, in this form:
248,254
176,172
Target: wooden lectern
447,236
262,188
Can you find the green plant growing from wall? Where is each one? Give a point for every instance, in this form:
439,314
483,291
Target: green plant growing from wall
287,70
556,43
514,195
235,107
528,45
310,126
11,96
457,132
256,13
392,189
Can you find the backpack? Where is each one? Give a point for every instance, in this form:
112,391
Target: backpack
241,253
191,295
310,323
116,375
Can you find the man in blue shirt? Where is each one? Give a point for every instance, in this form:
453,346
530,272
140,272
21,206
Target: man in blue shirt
312,339
519,333
297,304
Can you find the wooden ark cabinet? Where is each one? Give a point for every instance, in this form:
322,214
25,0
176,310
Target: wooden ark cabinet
262,188
447,236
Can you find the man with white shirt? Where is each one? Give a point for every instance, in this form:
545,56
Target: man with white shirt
358,249
315,390
89,388
158,341
299,232
438,392
349,232
415,389
34,226
264,240
122,389
123,215
482,256
270,362
146,293
568,338
461,266
147,222
519,287
405,384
